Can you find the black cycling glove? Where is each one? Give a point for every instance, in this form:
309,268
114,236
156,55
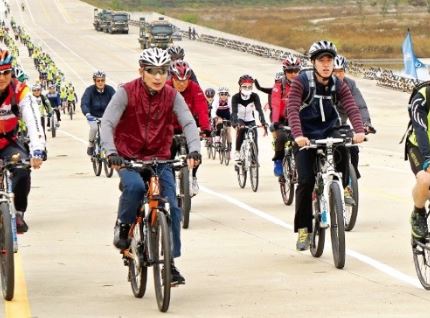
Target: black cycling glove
115,160
194,155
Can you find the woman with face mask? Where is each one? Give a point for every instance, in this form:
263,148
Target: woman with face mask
243,105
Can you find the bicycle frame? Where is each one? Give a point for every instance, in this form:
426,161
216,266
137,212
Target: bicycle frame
244,149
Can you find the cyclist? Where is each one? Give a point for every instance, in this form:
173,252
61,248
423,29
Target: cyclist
314,119
418,151
194,97
291,67
178,53
93,104
44,105
222,111
54,101
209,94
243,105
340,66
63,94
16,101
72,98
123,136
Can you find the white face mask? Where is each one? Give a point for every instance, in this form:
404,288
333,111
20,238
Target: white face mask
246,93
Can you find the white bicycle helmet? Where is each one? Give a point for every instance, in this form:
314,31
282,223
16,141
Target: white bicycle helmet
154,57
340,62
223,89
36,87
99,74
279,76
322,47
291,62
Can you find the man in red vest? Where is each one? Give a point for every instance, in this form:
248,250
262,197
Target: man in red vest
138,124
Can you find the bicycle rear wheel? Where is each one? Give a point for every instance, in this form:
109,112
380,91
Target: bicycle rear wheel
285,183
421,254
254,167
226,151
108,170
352,211
186,196
221,152
70,110
337,226
161,253
318,233
241,174
137,271
209,147
6,253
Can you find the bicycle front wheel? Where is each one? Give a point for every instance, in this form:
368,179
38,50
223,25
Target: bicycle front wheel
254,167
241,174
6,253
352,211
186,196
337,226
53,126
286,183
70,109
161,254
421,254
137,271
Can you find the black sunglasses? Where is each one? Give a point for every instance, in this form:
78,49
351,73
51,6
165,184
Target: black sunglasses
156,70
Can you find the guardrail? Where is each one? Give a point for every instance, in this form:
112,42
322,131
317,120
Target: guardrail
383,77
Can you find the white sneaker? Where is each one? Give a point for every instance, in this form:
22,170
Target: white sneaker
195,186
49,128
236,155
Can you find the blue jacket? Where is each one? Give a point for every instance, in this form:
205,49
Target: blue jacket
54,99
94,102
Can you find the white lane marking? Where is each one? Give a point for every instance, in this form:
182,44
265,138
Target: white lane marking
390,271
73,136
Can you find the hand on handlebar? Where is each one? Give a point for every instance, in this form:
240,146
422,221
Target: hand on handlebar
358,138
194,159
302,141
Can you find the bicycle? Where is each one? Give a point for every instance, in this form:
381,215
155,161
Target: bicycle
421,256
224,149
150,237
248,160
328,195
209,144
184,181
53,124
70,108
99,158
288,180
8,233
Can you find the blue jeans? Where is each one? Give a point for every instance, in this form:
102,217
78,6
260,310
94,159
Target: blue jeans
131,199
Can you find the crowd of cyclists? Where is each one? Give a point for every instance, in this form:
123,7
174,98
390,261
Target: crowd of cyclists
312,98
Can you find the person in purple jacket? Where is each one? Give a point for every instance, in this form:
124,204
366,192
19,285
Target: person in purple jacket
317,118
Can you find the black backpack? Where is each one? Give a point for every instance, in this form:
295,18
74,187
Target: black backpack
409,128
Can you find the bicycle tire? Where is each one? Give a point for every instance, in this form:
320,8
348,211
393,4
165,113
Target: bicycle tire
108,170
318,233
161,253
221,152
421,255
209,147
254,167
241,174
53,126
286,184
352,211
97,165
337,226
7,254
138,272
186,197
70,110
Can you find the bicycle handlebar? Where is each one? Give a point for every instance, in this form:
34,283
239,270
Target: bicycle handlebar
141,164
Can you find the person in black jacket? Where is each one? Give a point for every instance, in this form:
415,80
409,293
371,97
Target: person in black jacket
93,104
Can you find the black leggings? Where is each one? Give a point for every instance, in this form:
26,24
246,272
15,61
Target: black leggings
174,149
21,179
240,136
306,169
281,139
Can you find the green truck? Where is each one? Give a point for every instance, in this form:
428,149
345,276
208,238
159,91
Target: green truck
155,34
111,21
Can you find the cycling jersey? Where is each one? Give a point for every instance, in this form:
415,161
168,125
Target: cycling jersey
54,99
279,99
420,117
221,108
243,109
44,105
